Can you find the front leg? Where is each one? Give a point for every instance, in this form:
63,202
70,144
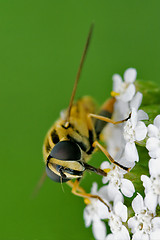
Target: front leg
79,191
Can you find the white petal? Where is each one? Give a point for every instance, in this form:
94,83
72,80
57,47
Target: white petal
105,165
156,223
118,197
112,193
157,121
121,211
137,235
101,208
127,188
99,230
129,93
133,223
158,151
142,115
123,234
146,183
134,117
131,153
121,110
136,101
94,188
130,75
137,203
153,131
114,140
152,145
154,153
151,201
154,167
103,191
87,217
117,82
102,211
110,237
140,131
145,237
105,180
155,235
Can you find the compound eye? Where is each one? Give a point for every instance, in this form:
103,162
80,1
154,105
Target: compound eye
66,150
54,177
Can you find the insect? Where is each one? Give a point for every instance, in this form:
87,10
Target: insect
73,138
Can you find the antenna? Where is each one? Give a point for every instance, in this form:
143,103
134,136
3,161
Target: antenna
79,72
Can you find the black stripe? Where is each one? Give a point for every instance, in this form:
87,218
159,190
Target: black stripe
54,136
48,147
91,140
99,124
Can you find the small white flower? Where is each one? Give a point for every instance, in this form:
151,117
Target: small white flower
95,212
153,143
152,184
116,218
117,181
144,225
126,89
123,109
134,130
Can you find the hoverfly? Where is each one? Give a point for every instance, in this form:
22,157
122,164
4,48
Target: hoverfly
73,138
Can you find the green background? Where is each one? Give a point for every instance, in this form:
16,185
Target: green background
41,43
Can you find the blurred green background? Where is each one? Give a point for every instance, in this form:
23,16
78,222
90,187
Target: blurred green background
41,43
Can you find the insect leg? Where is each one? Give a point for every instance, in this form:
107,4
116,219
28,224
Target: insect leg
78,191
99,171
97,144
106,111
108,119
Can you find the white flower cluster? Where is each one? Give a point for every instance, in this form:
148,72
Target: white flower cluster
121,144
